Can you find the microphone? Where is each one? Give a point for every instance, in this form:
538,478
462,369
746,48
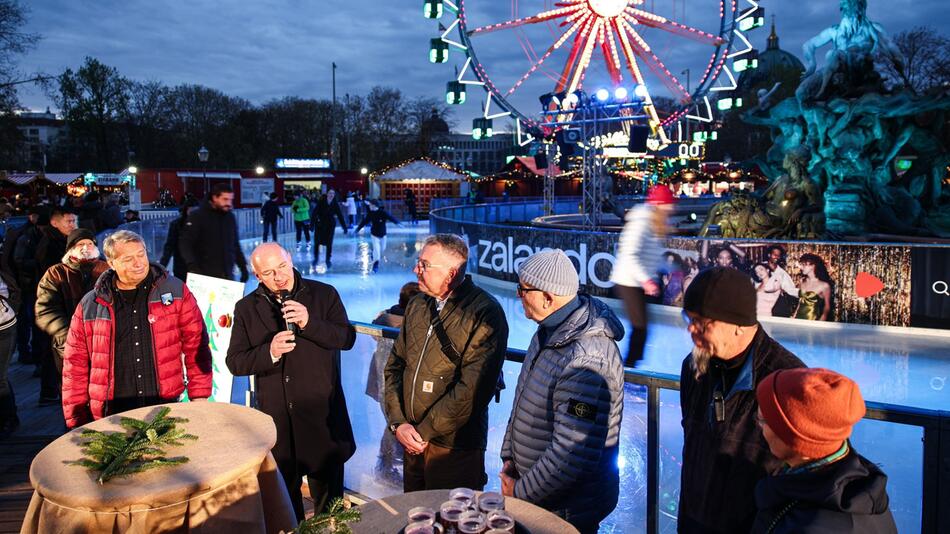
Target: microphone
282,296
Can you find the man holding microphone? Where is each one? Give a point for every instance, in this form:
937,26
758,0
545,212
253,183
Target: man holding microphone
288,333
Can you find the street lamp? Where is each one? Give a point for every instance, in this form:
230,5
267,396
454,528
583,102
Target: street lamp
259,170
364,171
203,157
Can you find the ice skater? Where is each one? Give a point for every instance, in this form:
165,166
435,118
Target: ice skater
376,217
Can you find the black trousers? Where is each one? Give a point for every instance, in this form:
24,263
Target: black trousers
25,325
300,227
323,236
325,485
441,468
634,300
272,226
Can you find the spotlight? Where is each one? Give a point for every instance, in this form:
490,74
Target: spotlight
602,94
620,93
641,91
570,101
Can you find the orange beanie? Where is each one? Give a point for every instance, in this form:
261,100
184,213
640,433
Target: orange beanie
811,410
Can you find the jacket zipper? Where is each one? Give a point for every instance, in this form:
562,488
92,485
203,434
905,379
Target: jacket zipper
412,397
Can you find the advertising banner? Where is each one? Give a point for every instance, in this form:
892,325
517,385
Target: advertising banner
843,282
216,299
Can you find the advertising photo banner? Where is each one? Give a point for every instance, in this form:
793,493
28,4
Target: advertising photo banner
216,299
874,284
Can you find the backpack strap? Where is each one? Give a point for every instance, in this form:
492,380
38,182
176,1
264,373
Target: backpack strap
449,349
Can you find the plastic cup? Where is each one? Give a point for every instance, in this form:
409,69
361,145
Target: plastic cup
421,514
471,522
490,501
419,527
501,521
449,514
465,495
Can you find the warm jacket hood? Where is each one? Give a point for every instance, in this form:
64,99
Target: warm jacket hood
592,318
852,485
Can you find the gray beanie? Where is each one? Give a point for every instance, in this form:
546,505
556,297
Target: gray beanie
550,271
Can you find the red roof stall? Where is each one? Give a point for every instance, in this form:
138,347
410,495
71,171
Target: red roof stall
249,186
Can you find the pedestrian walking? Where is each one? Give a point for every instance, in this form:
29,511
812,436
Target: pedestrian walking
210,243
326,214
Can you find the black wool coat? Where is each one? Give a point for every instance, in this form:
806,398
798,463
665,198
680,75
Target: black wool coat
302,391
210,244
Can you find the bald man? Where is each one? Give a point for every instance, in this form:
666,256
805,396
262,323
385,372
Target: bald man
288,333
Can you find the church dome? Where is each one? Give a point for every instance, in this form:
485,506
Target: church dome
771,62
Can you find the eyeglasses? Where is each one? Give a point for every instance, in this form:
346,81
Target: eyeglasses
424,265
522,290
701,323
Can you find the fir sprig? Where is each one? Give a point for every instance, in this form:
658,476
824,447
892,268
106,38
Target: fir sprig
334,521
118,454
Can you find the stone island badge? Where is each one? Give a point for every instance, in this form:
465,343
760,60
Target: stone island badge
167,299
426,386
581,410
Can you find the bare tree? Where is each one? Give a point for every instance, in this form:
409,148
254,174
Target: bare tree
925,64
13,43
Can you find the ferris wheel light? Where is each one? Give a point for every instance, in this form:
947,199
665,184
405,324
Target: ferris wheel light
620,93
602,94
438,50
432,9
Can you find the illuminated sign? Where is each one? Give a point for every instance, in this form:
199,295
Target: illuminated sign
302,163
106,179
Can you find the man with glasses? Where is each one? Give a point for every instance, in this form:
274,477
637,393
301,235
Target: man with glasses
724,453
443,370
288,333
561,446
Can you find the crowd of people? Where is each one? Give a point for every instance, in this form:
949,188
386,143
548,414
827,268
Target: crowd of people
766,440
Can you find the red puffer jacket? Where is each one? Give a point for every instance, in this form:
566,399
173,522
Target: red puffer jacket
177,328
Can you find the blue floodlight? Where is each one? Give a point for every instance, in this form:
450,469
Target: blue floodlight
602,95
641,91
620,93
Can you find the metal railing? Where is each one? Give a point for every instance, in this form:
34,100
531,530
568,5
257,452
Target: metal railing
935,515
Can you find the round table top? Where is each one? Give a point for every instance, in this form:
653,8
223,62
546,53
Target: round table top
231,440
377,516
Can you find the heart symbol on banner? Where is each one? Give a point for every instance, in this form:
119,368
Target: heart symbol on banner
867,285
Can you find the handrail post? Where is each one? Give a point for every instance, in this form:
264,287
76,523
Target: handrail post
935,515
653,458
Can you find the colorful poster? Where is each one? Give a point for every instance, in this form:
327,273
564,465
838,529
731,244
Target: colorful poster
216,299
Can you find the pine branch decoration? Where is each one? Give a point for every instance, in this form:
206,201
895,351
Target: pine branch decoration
334,521
139,448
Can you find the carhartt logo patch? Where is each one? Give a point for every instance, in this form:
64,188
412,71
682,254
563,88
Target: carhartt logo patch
426,386
581,410
167,299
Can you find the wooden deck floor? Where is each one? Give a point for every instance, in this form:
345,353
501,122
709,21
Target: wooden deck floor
38,427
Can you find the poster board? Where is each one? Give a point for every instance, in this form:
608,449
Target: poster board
216,299
254,189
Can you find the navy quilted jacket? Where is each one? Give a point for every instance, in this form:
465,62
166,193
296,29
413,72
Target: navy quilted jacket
563,434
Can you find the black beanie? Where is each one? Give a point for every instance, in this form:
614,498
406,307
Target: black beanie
78,235
724,294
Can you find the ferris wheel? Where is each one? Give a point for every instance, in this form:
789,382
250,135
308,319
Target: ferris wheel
683,52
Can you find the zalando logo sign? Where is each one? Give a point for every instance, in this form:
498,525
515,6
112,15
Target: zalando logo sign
506,257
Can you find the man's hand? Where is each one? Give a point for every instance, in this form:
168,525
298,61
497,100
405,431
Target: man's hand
410,439
508,475
651,288
295,312
282,343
